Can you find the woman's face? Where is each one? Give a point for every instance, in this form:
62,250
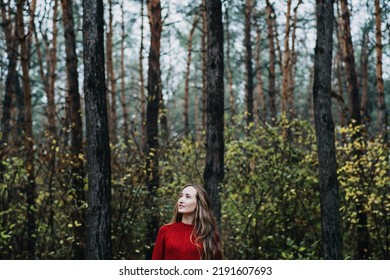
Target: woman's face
187,200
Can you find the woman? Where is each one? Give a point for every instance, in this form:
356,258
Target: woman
192,233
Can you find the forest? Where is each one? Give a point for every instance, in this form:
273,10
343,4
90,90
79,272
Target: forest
277,107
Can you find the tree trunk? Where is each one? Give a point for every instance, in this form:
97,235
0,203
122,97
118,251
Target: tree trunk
248,64
76,127
142,83
152,114
232,99
271,74
214,169
98,148
363,251
187,75
123,74
204,64
329,188
111,76
11,86
28,133
382,112
261,108
286,63
364,77
11,80
292,66
51,105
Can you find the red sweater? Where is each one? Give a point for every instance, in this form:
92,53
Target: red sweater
174,243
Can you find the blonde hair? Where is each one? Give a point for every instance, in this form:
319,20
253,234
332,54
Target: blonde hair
205,226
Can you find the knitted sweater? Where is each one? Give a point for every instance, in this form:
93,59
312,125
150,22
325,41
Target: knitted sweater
174,243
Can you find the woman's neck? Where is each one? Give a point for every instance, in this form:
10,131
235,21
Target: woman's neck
187,219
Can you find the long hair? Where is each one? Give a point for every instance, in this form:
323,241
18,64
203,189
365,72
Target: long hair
205,226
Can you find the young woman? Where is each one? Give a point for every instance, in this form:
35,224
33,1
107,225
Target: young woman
192,233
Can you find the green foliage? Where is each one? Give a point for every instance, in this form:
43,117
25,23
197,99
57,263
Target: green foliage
364,180
270,203
270,199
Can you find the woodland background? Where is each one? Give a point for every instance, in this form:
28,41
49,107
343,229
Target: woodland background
155,89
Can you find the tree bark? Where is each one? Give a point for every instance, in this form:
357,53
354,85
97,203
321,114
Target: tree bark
111,79
232,99
142,82
187,75
363,251
214,170
204,64
11,81
261,108
292,65
123,74
271,74
286,62
30,188
364,77
152,114
248,64
329,188
51,105
76,128
382,112
98,149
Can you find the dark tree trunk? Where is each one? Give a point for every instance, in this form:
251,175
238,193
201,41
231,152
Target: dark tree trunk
382,112
76,128
98,149
111,78
329,188
364,77
214,170
271,74
248,63
232,99
122,76
11,82
141,81
204,63
363,236
187,76
152,109
28,132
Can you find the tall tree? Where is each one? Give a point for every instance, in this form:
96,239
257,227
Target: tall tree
286,63
261,108
382,112
364,76
51,106
111,79
248,62
11,82
232,98
122,77
187,75
329,188
76,128
292,64
98,148
363,235
214,170
204,63
142,81
271,74
30,188
152,114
